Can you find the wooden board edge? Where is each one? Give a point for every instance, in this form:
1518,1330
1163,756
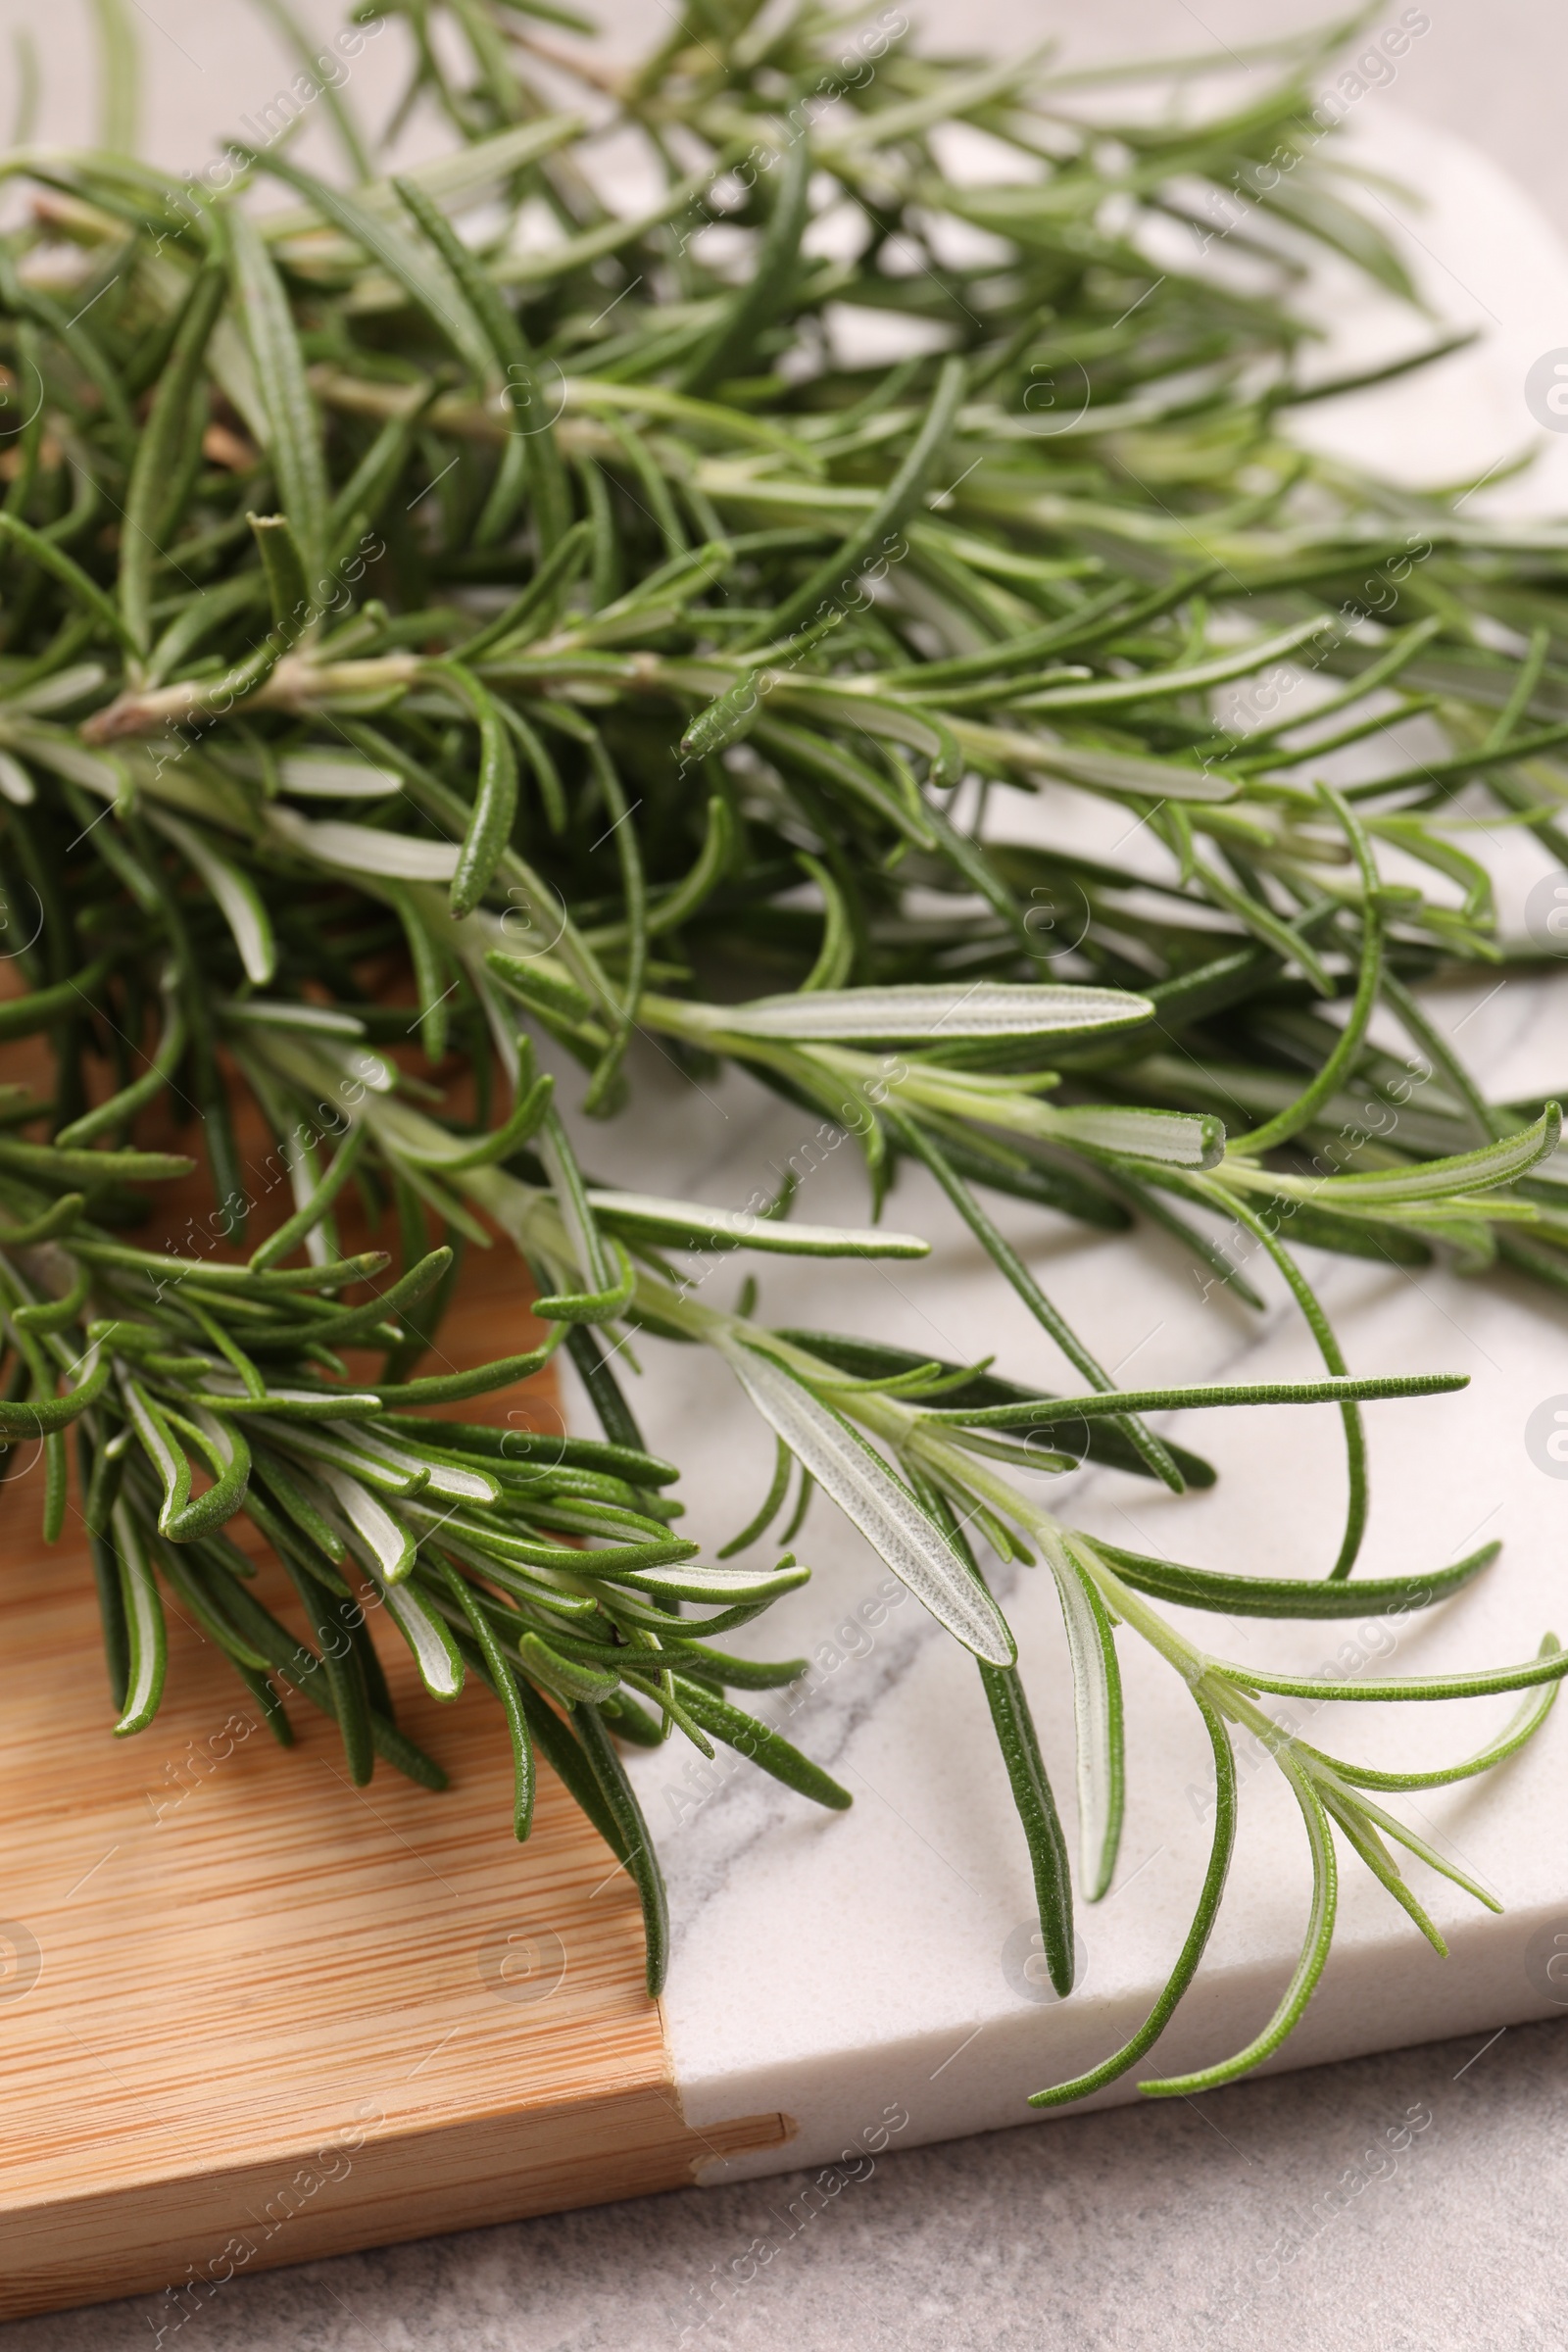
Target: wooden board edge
187,2240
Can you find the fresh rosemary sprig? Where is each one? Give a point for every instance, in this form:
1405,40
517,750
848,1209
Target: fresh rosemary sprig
544,1566
387,583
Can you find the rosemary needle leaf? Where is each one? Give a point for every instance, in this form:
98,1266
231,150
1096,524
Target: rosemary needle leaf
146,1639
846,1469
1197,1935
1308,1967
761,1745
635,1848
1032,1794
292,427
503,1683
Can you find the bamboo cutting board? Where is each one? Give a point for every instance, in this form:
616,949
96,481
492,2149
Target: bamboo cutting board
250,2015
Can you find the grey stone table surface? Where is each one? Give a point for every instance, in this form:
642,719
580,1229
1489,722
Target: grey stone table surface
1420,2197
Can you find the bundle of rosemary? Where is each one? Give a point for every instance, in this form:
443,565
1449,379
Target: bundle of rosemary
458,567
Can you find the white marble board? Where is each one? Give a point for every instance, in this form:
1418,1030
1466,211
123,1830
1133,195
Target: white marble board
859,1971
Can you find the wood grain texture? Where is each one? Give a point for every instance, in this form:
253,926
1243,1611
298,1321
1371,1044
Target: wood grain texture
250,2015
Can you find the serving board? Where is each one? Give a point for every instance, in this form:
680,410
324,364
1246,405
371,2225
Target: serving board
871,1976
251,2016
249,2013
